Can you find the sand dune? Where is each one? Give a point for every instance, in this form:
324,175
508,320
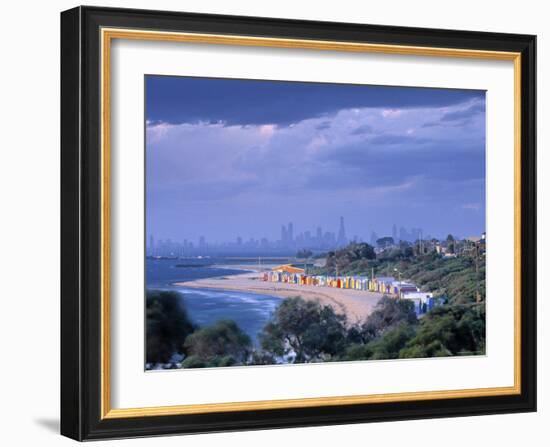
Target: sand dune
355,304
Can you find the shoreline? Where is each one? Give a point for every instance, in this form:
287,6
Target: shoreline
355,304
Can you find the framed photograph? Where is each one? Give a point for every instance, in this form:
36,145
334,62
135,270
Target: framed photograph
276,223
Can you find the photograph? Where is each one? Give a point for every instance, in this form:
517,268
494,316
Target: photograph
296,222
275,221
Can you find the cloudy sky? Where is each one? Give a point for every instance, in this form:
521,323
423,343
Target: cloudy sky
228,158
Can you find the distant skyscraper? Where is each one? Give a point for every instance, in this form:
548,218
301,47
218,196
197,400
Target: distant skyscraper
341,233
284,237
394,233
290,233
151,244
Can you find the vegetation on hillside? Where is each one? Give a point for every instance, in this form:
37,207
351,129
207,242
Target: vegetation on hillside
353,259
448,330
302,331
459,279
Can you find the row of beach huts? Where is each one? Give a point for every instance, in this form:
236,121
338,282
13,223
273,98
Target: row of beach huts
387,285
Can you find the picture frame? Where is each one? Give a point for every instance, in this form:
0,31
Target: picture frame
87,34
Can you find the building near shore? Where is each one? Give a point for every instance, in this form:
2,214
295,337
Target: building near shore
297,276
386,285
288,268
399,288
382,284
423,301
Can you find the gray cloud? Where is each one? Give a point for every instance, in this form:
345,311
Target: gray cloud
402,168
396,139
323,126
361,130
478,107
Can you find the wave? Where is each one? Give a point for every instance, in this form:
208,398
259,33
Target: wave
245,297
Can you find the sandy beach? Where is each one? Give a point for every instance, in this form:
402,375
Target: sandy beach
356,304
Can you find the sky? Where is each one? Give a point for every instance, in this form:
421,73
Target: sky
228,158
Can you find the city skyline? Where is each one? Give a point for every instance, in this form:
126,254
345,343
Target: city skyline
318,240
356,237
229,158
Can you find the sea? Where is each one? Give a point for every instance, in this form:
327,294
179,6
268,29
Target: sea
207,306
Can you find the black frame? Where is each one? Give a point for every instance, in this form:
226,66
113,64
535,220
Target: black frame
80,223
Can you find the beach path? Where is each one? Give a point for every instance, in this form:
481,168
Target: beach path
355,304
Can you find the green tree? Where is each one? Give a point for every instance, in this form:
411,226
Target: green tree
451,243
388,313
457,278
194,361
449,330
304,330
222,344
353,258
167,325
304,254
387,346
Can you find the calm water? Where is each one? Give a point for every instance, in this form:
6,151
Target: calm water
206,306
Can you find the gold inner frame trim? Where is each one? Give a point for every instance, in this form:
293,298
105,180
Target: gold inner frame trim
107,35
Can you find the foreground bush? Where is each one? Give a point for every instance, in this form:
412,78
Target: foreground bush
222,344
304,331
449,330
167,325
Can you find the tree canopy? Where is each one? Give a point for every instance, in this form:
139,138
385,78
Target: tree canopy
387,346
449,330
167,325
388,313
304,331
353,258
301,331
304,253
222,344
